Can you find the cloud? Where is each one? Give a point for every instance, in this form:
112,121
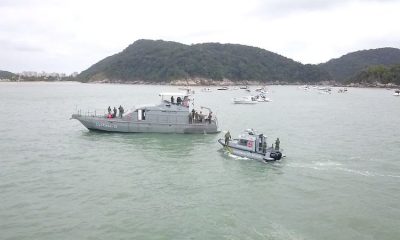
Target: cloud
55,35
285,7
28,48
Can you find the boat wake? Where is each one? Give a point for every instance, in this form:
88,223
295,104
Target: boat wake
316,165
229,154
367,173
336,166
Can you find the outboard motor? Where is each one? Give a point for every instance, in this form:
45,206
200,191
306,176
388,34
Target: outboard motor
276,155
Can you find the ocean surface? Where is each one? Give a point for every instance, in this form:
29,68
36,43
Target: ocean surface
340,179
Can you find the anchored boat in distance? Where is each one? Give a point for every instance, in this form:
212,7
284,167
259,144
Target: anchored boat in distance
169,116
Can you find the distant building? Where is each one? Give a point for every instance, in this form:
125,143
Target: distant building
46,75
29,74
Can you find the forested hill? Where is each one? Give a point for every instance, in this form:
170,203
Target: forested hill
162,61
378,74
343,68
6,75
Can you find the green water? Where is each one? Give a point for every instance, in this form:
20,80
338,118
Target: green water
340,180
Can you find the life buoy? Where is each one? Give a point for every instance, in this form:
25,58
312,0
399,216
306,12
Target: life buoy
250,144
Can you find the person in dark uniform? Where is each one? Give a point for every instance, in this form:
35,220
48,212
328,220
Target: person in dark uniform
109,110
172,99
264,146
178,100
277,142
209,117
115,112
121,111
227,138
193,111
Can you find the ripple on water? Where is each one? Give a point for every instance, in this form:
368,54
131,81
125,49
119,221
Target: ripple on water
58,180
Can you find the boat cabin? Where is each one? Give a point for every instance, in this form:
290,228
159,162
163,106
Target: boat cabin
173,109
251,141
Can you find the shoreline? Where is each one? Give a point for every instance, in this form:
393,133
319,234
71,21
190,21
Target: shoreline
221,83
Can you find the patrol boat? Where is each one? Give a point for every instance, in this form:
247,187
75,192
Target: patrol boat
166,117
252,145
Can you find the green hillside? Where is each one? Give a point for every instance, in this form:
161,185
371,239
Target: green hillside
378,74
343,68
162,61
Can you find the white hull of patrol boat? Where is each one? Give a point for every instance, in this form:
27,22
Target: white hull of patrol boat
253,145
262,157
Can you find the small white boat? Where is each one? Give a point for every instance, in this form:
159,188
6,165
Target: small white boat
253,145
342,90
396,93
261,89
304,87
222,88
245,100
206,90
187,90
262,98
324,90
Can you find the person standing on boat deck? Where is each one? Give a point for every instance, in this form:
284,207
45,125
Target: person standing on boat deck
115,112
209,117
121,111
227,138
172,99
178,100
193,111
201,117
277,142
109,110
190,118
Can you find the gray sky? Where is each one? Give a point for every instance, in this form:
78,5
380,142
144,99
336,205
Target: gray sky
71,35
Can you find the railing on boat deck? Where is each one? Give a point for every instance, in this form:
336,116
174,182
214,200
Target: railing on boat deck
205,121
92,113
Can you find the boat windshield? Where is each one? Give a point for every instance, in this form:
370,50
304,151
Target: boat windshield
175,98
170,94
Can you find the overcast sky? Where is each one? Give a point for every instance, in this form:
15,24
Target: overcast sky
71,35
